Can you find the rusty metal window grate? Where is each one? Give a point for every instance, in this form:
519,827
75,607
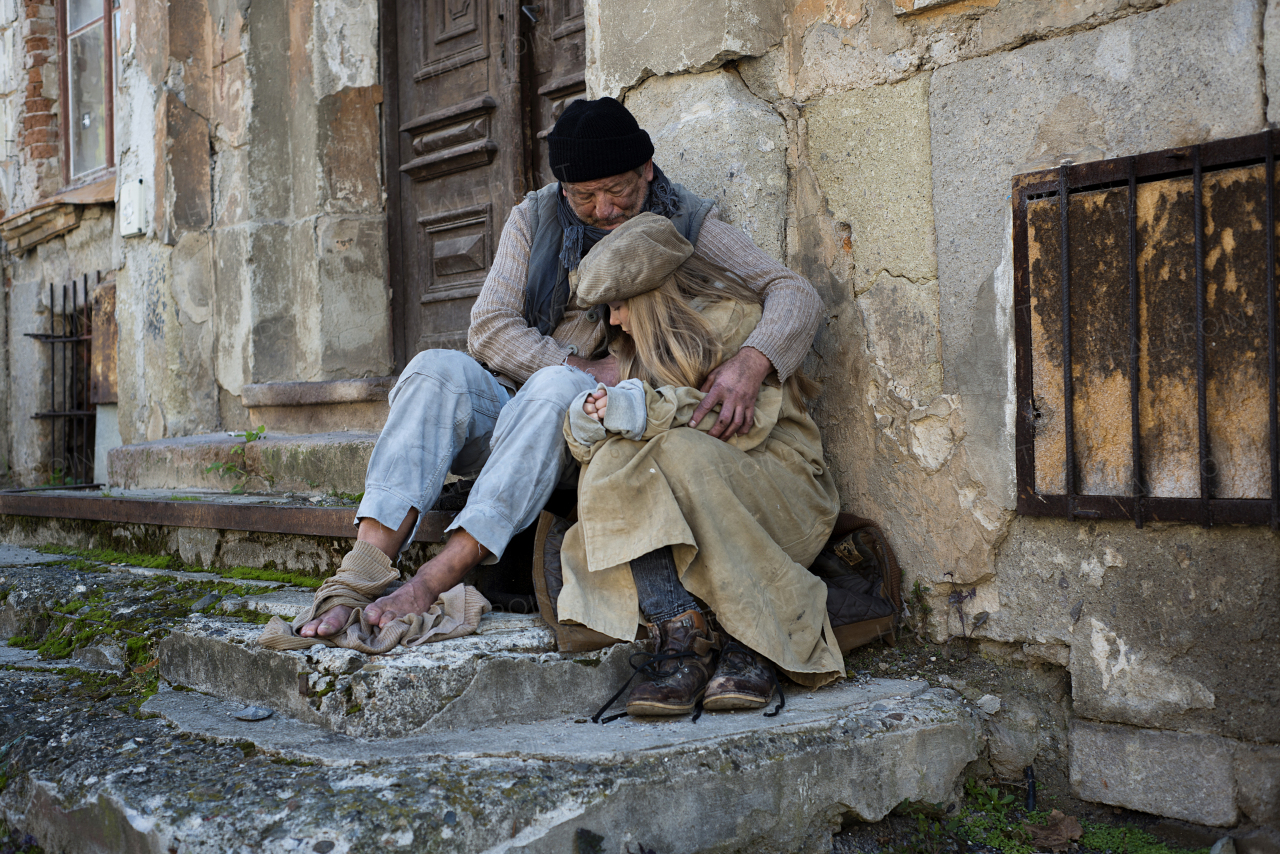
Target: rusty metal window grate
1145,328
70,414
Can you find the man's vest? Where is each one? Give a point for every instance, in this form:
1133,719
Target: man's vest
545,269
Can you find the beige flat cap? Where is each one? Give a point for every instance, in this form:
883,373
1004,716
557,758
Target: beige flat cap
634,258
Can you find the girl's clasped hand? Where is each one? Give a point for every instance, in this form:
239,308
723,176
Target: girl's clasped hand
596,403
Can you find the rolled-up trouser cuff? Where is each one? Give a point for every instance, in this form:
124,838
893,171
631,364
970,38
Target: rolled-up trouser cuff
388,508
488,526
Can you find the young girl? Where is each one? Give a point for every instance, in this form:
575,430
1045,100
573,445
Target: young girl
675,524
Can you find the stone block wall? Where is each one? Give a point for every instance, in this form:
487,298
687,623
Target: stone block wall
257,131
872,146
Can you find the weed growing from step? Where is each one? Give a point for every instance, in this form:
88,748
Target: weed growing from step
232,469
918,605
992,819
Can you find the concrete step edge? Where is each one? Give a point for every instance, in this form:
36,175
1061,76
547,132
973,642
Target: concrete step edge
501,674
774,789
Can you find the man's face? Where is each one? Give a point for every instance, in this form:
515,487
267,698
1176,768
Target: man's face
609,202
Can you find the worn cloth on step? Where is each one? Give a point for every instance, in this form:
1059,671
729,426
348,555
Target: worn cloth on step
365,575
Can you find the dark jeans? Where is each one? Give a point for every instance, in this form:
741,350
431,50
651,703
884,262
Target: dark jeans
662,597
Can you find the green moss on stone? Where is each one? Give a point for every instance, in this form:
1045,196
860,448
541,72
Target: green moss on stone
270,574
149,561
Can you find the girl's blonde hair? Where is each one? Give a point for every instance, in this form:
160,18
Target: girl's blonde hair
670,341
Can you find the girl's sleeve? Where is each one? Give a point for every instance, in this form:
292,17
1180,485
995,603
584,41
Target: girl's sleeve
637,411
673,406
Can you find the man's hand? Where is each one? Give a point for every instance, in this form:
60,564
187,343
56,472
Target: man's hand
734,385
595,405
604,370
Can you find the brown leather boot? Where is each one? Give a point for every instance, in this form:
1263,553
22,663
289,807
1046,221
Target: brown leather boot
743,679
683,654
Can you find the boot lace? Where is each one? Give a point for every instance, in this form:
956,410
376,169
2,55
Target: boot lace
650,666
743,658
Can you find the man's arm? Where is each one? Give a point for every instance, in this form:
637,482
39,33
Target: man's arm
499,335
792,311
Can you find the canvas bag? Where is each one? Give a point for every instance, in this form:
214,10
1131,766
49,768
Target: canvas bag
864,583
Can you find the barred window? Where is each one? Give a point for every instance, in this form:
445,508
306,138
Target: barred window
1145,333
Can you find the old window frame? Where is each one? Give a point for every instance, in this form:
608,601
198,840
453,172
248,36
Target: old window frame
1061,183
108,22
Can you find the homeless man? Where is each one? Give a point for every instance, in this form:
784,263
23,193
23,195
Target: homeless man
497,414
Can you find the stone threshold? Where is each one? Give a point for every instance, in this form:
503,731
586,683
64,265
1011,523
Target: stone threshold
326,462
508,671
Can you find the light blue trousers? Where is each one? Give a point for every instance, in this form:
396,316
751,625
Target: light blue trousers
448,414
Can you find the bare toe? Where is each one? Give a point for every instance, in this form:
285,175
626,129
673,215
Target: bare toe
331,623
413,597
380,612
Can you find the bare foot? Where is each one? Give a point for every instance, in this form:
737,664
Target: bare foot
328,623
434,577
388,542
413,597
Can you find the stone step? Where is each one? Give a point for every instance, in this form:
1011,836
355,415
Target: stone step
480,744
275,463
732,782
306,533
508,671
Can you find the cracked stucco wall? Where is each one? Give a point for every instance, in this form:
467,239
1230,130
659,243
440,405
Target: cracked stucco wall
255,131
885,144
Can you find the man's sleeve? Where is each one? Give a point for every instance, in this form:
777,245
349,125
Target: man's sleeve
499,336
792,307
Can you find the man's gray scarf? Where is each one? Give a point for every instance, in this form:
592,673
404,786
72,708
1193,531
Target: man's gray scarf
547,292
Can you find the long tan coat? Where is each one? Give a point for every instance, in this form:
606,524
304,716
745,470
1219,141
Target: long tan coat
744,518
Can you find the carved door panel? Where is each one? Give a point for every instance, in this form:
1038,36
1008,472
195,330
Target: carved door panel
475,82
555,75
460,161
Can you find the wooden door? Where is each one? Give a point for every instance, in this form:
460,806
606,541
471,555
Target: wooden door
475,83
555,75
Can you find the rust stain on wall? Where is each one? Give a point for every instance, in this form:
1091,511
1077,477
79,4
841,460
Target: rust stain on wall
1236,331
1166,354
348,130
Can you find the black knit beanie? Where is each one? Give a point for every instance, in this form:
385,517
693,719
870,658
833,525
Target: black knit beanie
596,139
